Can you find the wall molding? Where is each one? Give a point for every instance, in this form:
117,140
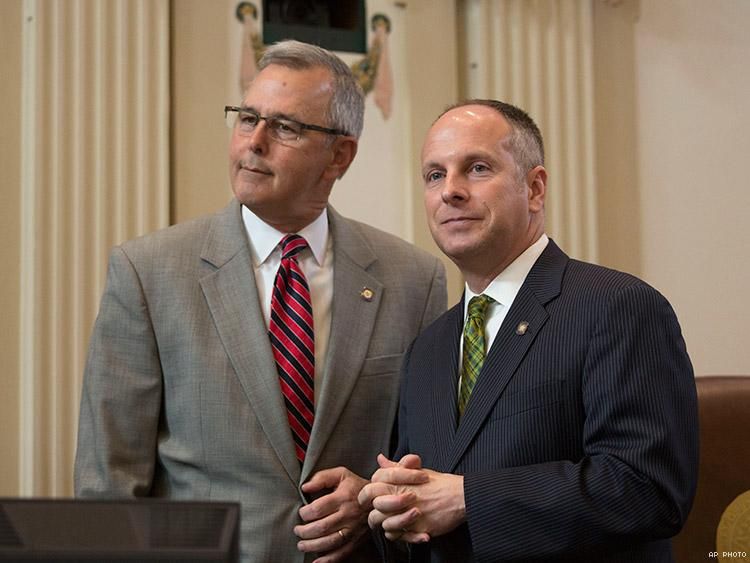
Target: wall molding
95,172
539,55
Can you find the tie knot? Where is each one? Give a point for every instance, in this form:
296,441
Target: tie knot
291,245
478,306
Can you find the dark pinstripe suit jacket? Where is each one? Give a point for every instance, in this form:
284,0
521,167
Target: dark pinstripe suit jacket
580,440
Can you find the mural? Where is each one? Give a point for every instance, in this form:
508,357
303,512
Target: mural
373,71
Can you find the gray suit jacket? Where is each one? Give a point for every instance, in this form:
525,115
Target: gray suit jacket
181,397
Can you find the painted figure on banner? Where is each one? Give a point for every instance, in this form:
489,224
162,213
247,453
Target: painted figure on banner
252,45
374,71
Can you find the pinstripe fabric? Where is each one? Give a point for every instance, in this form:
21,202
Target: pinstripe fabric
581,440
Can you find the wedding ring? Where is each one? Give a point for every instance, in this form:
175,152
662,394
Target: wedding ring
342,534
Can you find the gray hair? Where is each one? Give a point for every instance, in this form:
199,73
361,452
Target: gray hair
347,106
526,143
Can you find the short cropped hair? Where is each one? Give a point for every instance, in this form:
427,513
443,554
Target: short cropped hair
347,106
526,143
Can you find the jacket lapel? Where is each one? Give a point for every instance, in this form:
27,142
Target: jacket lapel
510,346
232,298
445,386
352,322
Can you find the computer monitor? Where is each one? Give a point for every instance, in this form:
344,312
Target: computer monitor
68,530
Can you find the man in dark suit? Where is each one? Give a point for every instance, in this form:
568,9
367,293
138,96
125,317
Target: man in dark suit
562,425
208,375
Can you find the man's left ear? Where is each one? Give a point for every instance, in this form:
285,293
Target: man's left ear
344,150
536,180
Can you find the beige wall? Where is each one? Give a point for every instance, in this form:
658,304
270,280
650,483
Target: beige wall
615,118
693,87
672,86
433,69
668,136
10,235
201,55
671,135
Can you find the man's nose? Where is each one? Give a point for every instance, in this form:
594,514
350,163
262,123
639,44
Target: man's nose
454,188
258,138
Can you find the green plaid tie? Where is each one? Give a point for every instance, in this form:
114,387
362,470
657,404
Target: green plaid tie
474,348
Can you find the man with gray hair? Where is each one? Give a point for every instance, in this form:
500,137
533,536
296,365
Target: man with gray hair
253,355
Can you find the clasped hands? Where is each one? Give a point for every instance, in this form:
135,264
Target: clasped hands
408,502
411,503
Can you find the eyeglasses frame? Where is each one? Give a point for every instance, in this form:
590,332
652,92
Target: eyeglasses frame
303,126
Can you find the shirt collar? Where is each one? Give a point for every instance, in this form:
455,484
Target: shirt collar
504,288
264,238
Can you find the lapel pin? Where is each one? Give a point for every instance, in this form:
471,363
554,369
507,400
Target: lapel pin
522,327
367,294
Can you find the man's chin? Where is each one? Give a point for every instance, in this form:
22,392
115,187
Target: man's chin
457,250
249,194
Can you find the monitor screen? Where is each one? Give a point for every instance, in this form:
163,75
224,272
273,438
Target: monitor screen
67,530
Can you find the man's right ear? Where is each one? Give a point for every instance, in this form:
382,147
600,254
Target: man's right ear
536,180
344,150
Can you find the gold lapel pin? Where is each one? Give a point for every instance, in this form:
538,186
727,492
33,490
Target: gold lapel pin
522,327
367,294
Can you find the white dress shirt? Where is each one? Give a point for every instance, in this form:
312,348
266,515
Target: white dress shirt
503,289
316,263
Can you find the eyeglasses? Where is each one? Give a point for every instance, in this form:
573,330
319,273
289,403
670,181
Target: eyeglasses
279,128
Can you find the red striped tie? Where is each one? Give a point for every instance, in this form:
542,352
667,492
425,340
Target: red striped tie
292,341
